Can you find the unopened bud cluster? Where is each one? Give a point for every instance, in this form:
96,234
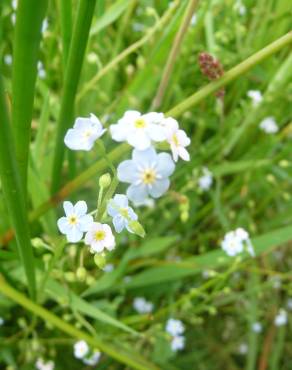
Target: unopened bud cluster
211,68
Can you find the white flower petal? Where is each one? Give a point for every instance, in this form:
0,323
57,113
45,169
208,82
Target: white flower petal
85,222
183,153
63,225
68,208
80,208
156,132
119,132
159,187
121,200
119,223
139,139
74,235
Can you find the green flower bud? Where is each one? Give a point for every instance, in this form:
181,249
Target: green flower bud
100,260
137,228
105,181
69,276
90,280
81,273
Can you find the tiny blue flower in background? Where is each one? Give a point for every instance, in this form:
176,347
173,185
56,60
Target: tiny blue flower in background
84,133
76,221
121,213
147,172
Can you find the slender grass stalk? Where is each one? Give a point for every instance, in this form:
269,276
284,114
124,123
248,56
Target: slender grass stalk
231,74
174,53
72,75
130,359
14,194
65,7
176,111
30,14
131,49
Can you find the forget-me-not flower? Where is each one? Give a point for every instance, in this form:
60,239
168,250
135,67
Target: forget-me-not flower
147,172
138,130
176,138
84,133
76,221
118,208
100,237
269,125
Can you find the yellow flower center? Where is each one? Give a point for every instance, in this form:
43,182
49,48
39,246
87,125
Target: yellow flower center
124,212
87,134
140,123
72,220
148,176
175,140
99,235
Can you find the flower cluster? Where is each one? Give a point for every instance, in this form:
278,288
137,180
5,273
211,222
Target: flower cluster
44,365
147,171
141,305
255,96
235,242
211,68
281,318
83,353
176,329
206,180
269,125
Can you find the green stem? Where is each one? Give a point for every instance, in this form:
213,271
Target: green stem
231,75
14,194
131,49
30,14
137,362
174,53
72,75
66,27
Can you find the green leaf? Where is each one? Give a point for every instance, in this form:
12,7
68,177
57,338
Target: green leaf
193,265
111,15
14,194
57,292
72,75
30,14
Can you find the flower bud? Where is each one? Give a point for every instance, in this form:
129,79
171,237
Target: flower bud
81,274
69,276
100,260
137,228
105,181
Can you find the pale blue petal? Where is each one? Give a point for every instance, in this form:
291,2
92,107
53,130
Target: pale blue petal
127,171
119,223
144,157
74,235
165,165
85,222
82,123
111,210
132,214
159,187
80,208
137,193
121,200
68,208
63,225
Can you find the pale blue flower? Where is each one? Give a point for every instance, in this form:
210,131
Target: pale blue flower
76,221
84,133
118,208
147,172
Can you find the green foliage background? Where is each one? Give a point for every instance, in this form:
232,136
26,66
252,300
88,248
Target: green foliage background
179,266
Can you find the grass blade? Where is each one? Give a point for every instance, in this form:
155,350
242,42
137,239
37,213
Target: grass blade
14,195
131,359
72,75
30,14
